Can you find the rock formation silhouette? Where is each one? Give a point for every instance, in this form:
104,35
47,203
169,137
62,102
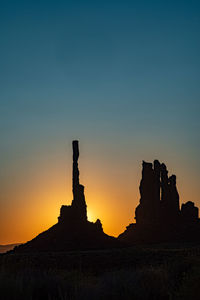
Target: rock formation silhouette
158,215
73,231
77,212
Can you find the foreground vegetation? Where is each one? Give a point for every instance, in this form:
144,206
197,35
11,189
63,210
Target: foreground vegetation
157,272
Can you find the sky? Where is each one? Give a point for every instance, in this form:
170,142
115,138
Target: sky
123,78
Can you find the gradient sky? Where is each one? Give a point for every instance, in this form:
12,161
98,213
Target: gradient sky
122,77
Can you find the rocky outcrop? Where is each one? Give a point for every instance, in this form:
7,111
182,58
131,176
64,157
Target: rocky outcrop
158,215
189,212
73,231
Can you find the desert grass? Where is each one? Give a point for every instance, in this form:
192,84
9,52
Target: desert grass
136,274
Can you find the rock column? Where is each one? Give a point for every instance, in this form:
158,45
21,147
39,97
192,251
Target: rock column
78,202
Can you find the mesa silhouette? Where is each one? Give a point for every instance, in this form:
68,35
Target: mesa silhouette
158,215
73,230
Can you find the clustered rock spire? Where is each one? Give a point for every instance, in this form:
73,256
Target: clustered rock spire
158,215
159,202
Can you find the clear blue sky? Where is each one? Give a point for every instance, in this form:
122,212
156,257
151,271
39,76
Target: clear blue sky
121,76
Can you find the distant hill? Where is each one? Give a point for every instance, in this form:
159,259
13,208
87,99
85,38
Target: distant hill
5,248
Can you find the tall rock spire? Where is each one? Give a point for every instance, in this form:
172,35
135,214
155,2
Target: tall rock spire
78,202
73,230
75,172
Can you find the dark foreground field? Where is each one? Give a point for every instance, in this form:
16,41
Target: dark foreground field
151,272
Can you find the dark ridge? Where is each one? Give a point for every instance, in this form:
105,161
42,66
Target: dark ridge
5,248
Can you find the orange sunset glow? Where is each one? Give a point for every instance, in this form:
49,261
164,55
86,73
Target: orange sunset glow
99,150
123,79
33,199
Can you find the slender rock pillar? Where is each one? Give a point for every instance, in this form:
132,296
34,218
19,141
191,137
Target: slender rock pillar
78,202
